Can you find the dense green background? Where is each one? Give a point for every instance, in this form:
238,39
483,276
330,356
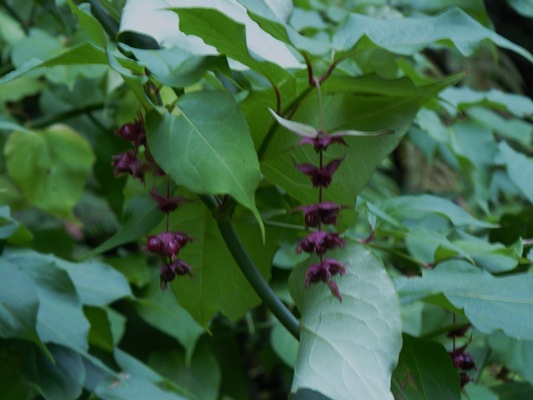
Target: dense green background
438,221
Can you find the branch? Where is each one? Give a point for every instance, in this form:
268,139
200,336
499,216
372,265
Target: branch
250,271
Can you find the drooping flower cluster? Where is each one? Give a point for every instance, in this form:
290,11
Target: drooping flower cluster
320,214
166,244
323,212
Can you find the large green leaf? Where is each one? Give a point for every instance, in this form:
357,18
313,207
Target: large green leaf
206,146
425,372
348,350
490,303
217,283
369,103
410,35
513,391
50,167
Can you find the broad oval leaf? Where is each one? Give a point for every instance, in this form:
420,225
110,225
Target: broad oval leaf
360,336
206,146
490,303
50,167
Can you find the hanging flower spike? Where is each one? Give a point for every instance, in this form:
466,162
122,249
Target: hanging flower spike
323,272
167,204
319,242
320,177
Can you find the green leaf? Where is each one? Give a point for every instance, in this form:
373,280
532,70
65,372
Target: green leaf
206,146
162,311
175,66
410,35
523,7
89,23
369,312
519,169
417,207
19,304
201,376
371,104
11,229
50,167
141,215
490,303
461,98
60,317
137,381
265,17
84,53
100,334
62,379
516,355
494,257
217,284
240,41
425,372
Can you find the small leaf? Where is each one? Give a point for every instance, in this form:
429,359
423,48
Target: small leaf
295,127
425,372
140,217
516,355
369,311
490,303
284,345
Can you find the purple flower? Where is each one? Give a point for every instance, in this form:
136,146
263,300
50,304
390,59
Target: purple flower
169,271
127,163
319,242
133,132
167,243
321,141
325,212
167,204
320,176
323,272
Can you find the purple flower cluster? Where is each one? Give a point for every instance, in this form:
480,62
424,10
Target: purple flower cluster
321,213
166,244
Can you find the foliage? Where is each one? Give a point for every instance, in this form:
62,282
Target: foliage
135,132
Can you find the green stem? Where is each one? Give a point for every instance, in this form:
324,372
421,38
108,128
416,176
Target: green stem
250,271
